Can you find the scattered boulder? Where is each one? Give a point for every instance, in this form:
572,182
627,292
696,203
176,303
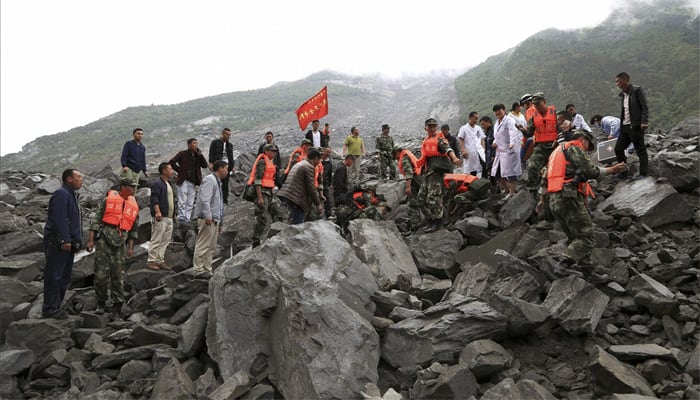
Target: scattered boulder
609,375
576,305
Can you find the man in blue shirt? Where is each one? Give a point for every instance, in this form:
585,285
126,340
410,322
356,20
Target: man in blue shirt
134,158
62,238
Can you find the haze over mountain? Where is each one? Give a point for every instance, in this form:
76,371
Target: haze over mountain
657,43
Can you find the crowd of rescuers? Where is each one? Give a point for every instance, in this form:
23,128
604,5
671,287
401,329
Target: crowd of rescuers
533,142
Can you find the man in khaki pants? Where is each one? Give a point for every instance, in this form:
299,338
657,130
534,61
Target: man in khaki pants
209,211
163,213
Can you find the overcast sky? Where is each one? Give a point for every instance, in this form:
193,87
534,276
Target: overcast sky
67,63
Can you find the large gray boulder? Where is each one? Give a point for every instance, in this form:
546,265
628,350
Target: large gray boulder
507,389
381,247
517,209
609,375
301,301
442,332
655,204
576,305
434,252
680,169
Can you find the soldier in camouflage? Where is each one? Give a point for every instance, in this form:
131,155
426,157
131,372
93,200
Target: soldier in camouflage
384,148
565,185
411,173
114,244
437,159
267,205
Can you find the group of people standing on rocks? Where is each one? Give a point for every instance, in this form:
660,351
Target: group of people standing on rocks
551,146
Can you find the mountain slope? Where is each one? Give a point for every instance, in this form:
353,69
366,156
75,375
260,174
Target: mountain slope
657,44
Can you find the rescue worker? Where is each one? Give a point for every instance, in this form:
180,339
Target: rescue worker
566,186
112,234
408,167
267,206
298,154
437,159
384,147
542,123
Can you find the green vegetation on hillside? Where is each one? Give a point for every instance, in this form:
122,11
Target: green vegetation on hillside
657,44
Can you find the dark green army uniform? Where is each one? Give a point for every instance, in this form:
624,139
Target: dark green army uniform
272,208
431,191
414,204
384,146
568,206
110,257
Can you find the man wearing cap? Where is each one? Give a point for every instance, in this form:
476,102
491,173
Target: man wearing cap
634,115
209,211
384,148
133,158
262,177
112,234
437,159
408,167
270,139
542,123
188,164
566,187
222,150
354,146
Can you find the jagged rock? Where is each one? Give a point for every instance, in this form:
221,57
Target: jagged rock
121,357
172,383
401,313
135,369
618,396
507,389
82,379
92,320
152,334
49,185
653,204
259,392
387,301
442,332
163,355
393,192
303,300
233,387
381,247
193,330
505,240
15,291
11,223
22,270
692,368
523,317
206,383
640,352
21,242
434,252
143,278
576,305
680,169
41,336
689,128
485,357
653,295
444,382
424,287
654,371
517,209
12,362
612,376
475,229
95,345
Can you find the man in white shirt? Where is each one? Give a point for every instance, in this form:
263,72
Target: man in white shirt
577,119
317,138
472,143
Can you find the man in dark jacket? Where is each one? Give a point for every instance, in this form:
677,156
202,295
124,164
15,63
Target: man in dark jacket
222,150
634,115
62,238
162,211
299,190
188,164
340,179
133,159
317,137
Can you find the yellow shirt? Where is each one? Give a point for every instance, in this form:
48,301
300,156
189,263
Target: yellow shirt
354,145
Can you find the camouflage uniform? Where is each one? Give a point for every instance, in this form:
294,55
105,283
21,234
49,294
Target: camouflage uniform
431,190
537,160
385,147
272,208
569,209
110,257
414,204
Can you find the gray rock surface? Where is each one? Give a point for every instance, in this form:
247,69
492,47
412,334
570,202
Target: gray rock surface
612,376
485,357
576,305
507,389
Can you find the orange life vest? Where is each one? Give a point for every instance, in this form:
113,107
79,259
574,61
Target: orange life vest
556,171
530,112
545,125
412,158
318,172
119,212
462,181
268,179
429,148
355,199
302,156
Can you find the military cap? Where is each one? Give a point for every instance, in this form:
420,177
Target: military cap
586,134
306,141
525,98
127,182
397,149
537,97
385,126
271,147
431,121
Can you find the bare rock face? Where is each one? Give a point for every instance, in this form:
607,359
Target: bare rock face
576,305
517,209
650,293
655,204
381,247
301,301
485,357
434,252
680,169
507,389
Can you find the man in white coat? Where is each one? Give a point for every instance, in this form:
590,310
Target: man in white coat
472,144
507,139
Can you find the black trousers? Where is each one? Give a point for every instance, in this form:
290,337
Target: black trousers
634,135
